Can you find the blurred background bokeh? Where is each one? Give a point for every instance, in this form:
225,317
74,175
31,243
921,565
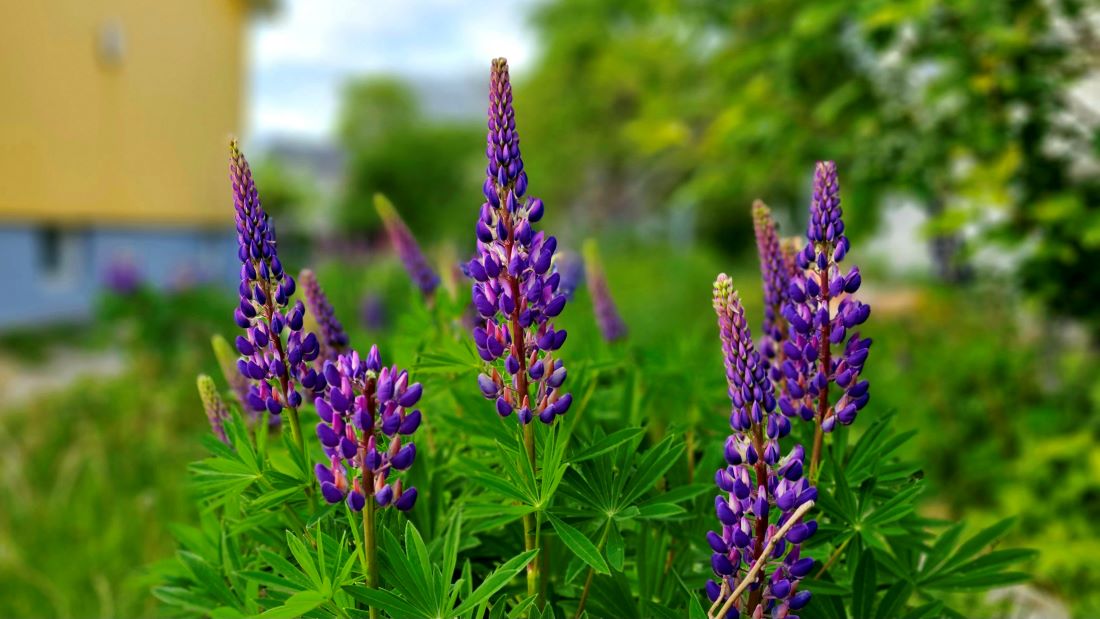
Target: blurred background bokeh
967,136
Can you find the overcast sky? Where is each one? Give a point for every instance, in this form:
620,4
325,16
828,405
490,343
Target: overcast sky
300,57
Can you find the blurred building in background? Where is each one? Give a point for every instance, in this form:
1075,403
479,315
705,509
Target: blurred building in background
113,130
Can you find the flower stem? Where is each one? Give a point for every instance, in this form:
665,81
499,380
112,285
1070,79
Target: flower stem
824,356
530,527
592,571
371,548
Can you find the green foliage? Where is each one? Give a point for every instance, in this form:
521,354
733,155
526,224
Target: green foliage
422,165
966,107
635,457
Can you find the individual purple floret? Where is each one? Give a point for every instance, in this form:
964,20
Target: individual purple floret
333,338
404,243
367,416
823,313
276,366
758,483
776,277
515,291
610,322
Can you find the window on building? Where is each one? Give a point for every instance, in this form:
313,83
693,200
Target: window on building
58,255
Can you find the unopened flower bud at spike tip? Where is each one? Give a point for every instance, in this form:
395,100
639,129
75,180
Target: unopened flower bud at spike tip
404,243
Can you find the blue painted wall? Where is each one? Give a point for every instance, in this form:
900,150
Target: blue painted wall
52,275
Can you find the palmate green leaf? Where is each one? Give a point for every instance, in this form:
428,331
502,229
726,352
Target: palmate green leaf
979,541
660,511
386,601
863,586
894,600
185,599
286,568
297,605
695,609
679,494
399,569
271,581
897,507
421,566
607,443
304,559
653,465
495,581
205,575
494,482
615,548
579,544
521,608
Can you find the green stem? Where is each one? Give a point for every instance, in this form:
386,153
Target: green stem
592,571
371,549
530,524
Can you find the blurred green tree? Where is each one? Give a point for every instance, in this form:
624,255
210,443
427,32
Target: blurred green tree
969,108
428,168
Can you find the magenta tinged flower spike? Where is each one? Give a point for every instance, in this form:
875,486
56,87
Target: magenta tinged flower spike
610,322
823,313
776,277
757,480
404,243
333,338
275,366
516,291
367,416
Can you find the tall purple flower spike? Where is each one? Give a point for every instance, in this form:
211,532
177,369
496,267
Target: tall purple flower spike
367,416
333,338
404,243
757,481
516,291
275,366
776,276
822,313
608,319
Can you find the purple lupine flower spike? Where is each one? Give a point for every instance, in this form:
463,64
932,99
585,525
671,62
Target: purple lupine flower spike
776,276
276,366
404,243
516,290
757,480
212,403
823,313
332,337
367,415
610,322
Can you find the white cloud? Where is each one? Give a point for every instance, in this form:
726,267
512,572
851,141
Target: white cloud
300,57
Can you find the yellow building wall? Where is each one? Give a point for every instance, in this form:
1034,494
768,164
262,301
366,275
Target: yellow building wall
139,142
